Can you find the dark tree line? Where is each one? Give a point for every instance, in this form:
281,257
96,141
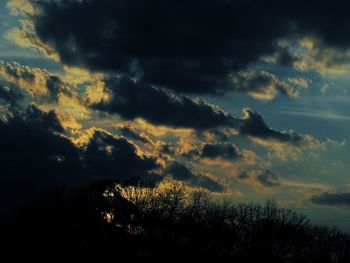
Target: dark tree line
115,222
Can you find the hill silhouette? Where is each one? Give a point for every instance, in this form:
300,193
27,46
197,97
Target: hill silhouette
117,222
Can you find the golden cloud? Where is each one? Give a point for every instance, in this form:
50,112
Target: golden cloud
33,80
25,36
22,8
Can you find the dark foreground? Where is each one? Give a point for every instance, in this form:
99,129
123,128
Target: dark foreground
167,224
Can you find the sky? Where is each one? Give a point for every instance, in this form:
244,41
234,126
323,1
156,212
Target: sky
245,99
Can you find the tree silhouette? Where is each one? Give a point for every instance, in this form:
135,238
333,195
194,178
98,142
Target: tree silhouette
127,222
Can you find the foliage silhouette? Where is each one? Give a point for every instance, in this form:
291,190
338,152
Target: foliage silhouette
127,222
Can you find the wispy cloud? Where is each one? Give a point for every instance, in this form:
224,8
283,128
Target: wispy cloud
313,113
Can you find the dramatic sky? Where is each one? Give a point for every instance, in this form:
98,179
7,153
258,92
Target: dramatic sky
248,99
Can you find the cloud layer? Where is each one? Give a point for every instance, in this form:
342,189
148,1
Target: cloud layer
332,199
180,172
188,46
135,99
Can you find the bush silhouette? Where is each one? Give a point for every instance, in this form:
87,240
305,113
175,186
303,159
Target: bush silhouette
124,222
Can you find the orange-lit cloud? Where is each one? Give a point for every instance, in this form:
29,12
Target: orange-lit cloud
25,36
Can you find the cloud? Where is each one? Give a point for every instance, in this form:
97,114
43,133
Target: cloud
48,91
311,53
332,199
34,154
317,56
190,46
21,7
268,178
133,134
300,82
217,154
108,156
132,99
25,37
11,96
224,151
37,152
252,124
180,172
37,82
315,114
262,85
285,151
262,177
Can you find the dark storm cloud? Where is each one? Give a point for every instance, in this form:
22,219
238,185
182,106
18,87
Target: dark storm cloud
33,144
117,158
189,46
34,154
226,151
180,172
253,124
32,138
135,99
333,199
132,99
